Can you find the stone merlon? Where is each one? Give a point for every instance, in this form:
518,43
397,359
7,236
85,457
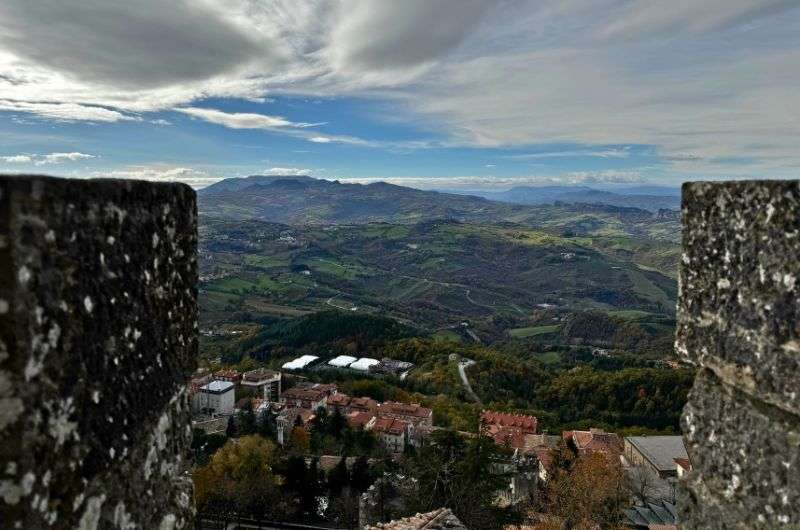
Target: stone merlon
98,336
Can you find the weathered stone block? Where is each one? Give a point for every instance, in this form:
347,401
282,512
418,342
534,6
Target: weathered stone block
739,309
746,458
98,326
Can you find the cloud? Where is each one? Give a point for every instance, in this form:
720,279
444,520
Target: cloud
294,171
604,153
17,159
41,160
474,182
131,45
242,120
66,111
197,178
475,73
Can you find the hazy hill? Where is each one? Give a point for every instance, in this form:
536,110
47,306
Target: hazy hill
647,198
305,200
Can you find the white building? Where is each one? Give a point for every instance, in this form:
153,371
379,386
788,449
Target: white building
363,364
215,398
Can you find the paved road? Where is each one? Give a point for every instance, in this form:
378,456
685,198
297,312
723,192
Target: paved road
462,366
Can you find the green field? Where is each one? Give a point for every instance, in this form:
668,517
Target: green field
533,331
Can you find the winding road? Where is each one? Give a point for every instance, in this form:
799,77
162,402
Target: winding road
462,367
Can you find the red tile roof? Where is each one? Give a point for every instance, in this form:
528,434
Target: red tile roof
595,441
526,424
405,409
684,463
359,419
390,425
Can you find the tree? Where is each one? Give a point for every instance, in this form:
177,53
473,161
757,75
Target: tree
360,477
266,426
247,420
300,440
230,430
643,483
338,477
591,493
458,474
343,509
239,474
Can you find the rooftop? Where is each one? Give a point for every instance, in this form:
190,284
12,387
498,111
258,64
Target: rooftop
525,423
259,374
217,387
405,409
442,519
661,451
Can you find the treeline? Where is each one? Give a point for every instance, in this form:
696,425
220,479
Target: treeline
650,338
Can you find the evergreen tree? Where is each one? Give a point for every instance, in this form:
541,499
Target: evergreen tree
230,430
338,478
360,477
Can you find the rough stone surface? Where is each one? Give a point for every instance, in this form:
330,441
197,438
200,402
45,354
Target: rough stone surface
739,309
738,321
98,335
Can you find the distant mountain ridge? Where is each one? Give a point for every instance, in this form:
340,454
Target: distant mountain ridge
306,200
649,198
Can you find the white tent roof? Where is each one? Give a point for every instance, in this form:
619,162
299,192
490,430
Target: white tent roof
364,363
342,361
300,362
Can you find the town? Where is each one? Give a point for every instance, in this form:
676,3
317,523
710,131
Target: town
229,405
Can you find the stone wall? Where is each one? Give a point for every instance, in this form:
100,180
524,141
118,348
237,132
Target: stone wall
738,321
98,335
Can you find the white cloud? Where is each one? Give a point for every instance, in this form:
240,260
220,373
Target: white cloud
473,182
603,153
66,111
293,171
242,120
17,159
197,178
58,158
711,79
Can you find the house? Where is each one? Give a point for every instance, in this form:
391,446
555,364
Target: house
542,447
509,430
440,519
391,432
265,383
683,466
338,401
289,418
200,378
413,413
214,398
360,420
595,441
309,398
363,404
229,375
656,452
662,515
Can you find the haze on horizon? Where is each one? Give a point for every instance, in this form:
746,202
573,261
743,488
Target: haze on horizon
453,94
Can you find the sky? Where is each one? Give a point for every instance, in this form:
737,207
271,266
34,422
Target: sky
445,94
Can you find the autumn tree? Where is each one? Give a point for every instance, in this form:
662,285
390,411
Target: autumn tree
239,475
592,492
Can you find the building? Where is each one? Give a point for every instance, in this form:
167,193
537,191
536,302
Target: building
656,452
229,375
441,519
346,404
660,515
683,466
360,420
289,418
509,430
304,397
391,433
389,366
413,413
596,441
265,383
214,398
200,378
